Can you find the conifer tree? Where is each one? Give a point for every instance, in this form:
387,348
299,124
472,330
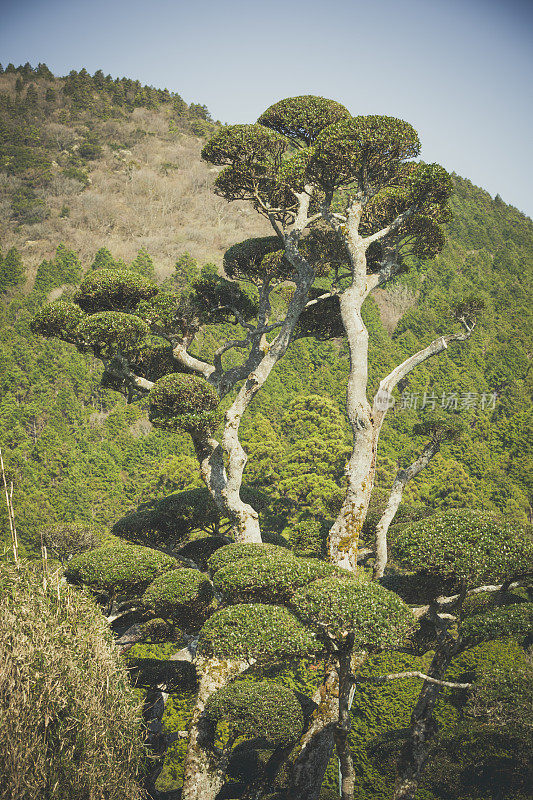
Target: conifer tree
11,269
103,260
143,264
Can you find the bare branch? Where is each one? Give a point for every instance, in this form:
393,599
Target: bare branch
393,378
445,601
179,351
415,674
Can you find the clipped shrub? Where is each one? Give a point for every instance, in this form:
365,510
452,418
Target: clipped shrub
58,319
261,710
153,358
269,579
250,145
514,620
234,552
184,401
119,569
182,595
108,331
464,546
70,723
148,526
113,290
265,633
160,310
302,118
373,616
341,149
249,260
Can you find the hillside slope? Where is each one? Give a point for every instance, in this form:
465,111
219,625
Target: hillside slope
119,167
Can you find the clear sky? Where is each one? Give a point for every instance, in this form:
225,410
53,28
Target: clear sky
460,71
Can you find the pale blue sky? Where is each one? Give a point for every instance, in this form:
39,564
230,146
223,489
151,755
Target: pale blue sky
460,71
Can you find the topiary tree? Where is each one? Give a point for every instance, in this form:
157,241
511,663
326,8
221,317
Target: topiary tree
352,616
11,269
348,206
483,561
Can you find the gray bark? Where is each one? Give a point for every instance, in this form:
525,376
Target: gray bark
311,757
403,476
205,768
342,729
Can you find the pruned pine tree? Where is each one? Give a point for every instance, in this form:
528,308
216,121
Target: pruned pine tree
439,430
319,174
254,608
468,569
346,202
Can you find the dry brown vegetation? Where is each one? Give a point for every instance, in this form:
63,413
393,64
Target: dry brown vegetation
152,192
70,723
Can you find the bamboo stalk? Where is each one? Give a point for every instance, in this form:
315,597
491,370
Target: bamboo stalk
10,512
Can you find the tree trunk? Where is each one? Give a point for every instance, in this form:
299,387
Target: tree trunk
344,535
383,525
205,768
342,731
243,518
423,727
310,759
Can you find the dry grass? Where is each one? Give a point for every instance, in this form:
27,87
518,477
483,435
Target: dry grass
70,726
155,193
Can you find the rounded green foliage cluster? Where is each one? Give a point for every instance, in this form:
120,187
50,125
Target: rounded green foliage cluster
182,595
109,331
113,290
261,710
243,145
58,319
430,185
373,145
268,579
231,553
294,171
249,260
184,401
153,358
150,526
465,546
440,428
122,569
302,118
216,299
261,632
513,620
160,311
366,613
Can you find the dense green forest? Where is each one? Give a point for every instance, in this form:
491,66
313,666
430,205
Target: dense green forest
77,453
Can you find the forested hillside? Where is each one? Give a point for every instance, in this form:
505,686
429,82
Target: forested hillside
76,453
96,172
